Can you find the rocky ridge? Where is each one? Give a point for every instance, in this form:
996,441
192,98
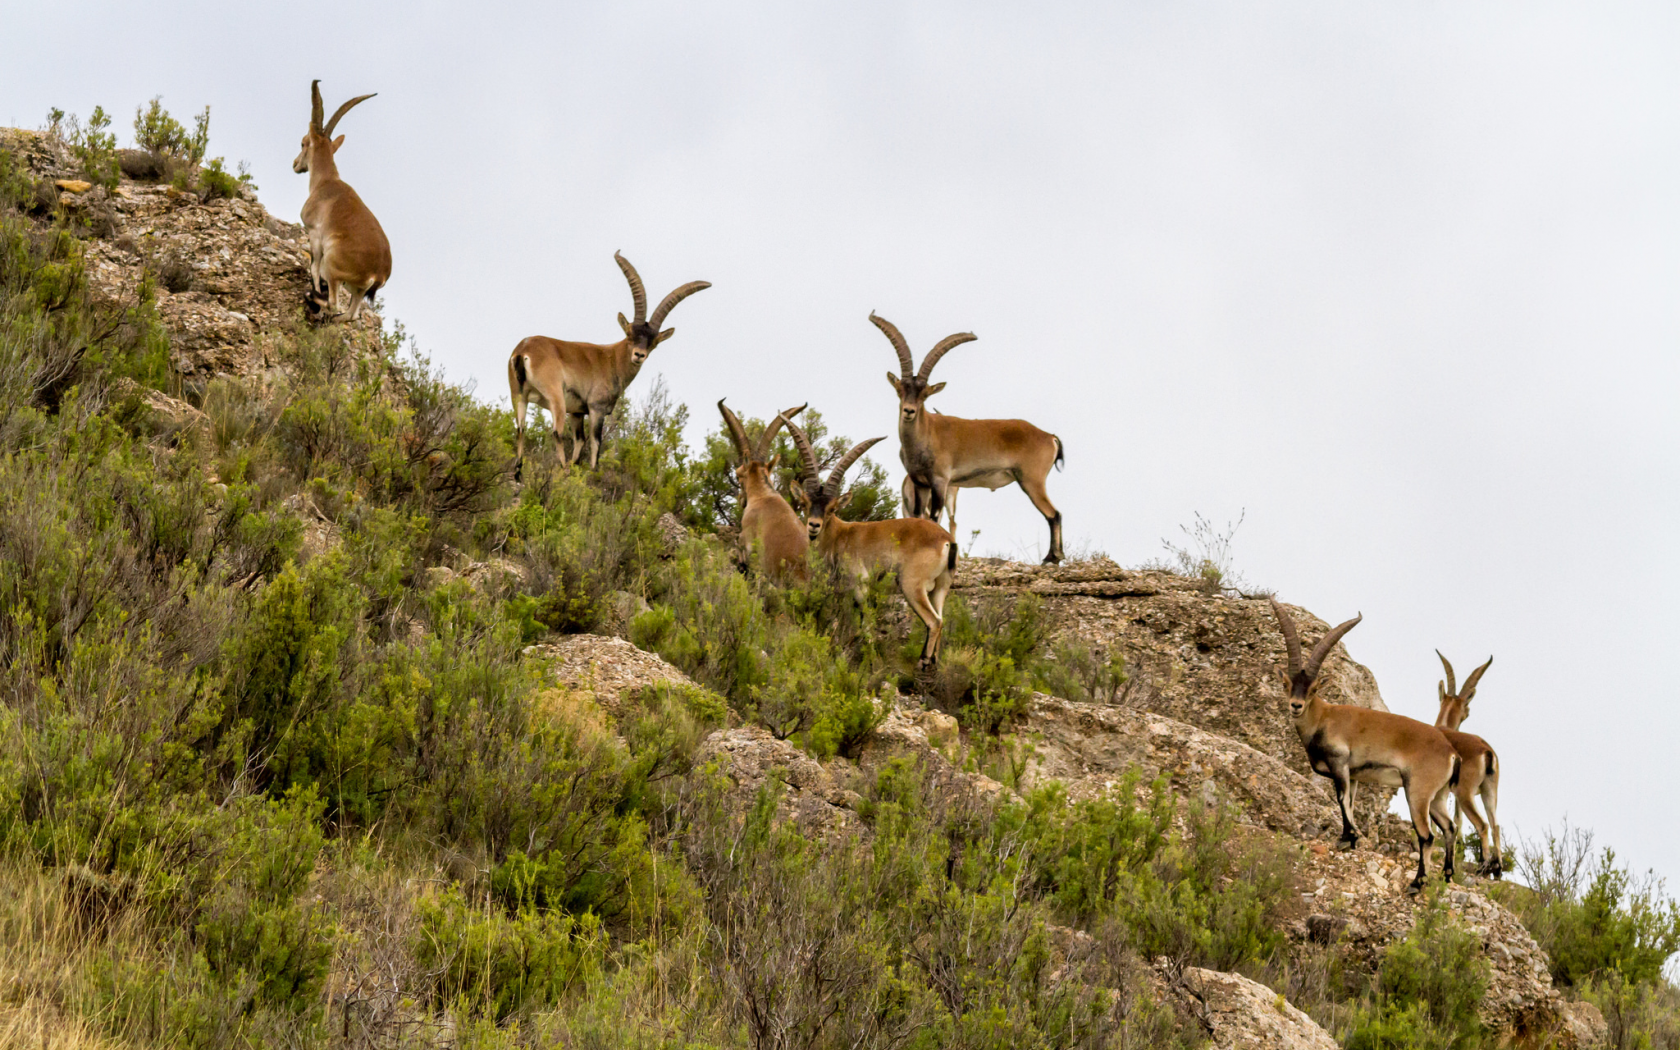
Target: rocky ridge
227,272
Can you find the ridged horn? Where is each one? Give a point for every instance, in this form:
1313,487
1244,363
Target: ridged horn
1452,682
803,444
316,110
1291,641
906,363
837,476
1327,643
737,432
670,301
769,434
939,350
1475,676
638,294
340,111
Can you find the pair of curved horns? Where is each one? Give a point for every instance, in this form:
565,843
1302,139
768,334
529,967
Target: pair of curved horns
638,294
836,477
316,109
1292,643
1469,683
738,433
905,361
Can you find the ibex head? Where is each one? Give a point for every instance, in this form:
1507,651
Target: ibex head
912,387
319,136
643,333
814,497
1300,679
1455,702
753,463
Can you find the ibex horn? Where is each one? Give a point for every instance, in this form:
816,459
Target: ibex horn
340,111
906,364
939,350
638,294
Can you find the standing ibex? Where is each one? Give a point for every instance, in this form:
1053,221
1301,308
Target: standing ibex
1352,744
1480,773
583,381
347,246
769,527
942,454
923,554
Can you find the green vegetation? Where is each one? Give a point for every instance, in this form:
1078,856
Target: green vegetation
274,770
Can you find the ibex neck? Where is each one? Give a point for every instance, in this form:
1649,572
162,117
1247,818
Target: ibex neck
323,168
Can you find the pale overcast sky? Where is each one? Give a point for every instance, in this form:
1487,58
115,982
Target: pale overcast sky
1399,279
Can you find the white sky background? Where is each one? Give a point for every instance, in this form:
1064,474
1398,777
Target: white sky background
1400,280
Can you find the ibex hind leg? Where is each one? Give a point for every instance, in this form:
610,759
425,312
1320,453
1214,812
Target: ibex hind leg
1493,851
1034,488
1442,818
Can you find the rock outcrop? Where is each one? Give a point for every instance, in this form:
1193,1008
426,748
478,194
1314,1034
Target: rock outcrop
226,272
1241,1014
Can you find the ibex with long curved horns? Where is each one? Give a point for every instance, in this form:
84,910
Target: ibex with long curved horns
582,382
1352,745
1479,775
347,246
923,554
942,454
769,526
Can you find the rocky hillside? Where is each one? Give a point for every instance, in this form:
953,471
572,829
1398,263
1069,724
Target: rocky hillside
524,825
1202,710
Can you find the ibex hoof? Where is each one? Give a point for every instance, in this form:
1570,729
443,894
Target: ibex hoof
1414,887
1052,559
1347,842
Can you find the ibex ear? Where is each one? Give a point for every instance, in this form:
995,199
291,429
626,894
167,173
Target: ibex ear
898,387
666,334
771,466
934,389
801,499
337,143
1283,681
624,324
840,504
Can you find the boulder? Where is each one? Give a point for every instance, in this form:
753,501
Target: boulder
1241,1014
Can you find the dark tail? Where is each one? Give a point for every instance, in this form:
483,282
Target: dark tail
1458,766
519,370
951,557
374,288
1060,448
1492,764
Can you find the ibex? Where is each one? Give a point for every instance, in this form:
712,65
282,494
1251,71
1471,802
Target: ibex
583,381
1352,744
1480,773
923,554
942,454
769,526
347,246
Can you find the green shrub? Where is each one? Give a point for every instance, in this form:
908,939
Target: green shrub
1438,967
94,146
155,130
1592,916
485,961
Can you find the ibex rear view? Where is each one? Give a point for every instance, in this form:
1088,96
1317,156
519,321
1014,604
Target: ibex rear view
347,246
582,382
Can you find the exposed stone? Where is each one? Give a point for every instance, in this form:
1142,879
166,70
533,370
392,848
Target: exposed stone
1207,660
248,270
1089,747
810,795
605,666
1328,929
1241,1014
673,532
1584,1023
